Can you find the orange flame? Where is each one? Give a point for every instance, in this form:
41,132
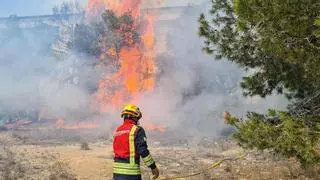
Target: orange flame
136,64
118,6
137,67
61,125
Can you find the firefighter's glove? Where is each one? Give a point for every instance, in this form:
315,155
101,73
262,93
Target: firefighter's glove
155,173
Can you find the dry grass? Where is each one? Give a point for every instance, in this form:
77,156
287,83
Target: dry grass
18,161
10,168
60,171
70,162
29,164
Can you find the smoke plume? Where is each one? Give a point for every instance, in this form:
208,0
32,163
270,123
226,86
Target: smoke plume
192,90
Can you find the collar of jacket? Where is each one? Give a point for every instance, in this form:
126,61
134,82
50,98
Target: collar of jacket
130,121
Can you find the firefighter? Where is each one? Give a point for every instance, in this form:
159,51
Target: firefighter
128,145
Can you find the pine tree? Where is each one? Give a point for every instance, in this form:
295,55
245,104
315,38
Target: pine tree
276,38
279,41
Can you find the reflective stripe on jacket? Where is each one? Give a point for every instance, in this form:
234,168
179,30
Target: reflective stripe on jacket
128,145
131,168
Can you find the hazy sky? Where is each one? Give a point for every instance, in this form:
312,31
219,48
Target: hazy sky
28,7
40,7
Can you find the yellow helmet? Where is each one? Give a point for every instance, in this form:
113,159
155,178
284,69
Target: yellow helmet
131,111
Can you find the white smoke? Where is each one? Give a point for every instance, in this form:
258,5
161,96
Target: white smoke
31,7
192,89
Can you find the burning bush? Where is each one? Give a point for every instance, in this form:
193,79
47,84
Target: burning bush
104,39
122,41
120,44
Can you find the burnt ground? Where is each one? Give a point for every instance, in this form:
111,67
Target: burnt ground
53,154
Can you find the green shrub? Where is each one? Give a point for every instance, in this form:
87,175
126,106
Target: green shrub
288,136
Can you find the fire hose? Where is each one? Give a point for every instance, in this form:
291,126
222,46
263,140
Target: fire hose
212,166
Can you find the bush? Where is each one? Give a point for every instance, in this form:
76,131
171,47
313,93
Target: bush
10,169
85,146
61,171
288,136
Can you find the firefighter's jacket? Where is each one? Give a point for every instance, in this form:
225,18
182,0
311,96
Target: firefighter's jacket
128,145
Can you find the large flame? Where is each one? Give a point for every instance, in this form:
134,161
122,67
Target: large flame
118,6
136,64
137,69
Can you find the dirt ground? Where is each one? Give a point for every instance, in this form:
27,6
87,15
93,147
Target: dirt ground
21,158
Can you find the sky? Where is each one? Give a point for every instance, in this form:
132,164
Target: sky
28,7
41,7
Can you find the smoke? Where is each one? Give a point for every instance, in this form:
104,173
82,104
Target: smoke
32,80
21,66
192,89
31,7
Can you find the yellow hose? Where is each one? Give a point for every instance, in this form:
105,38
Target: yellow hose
214,165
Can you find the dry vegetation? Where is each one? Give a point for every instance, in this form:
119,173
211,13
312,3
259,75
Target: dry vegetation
22,158
32,162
